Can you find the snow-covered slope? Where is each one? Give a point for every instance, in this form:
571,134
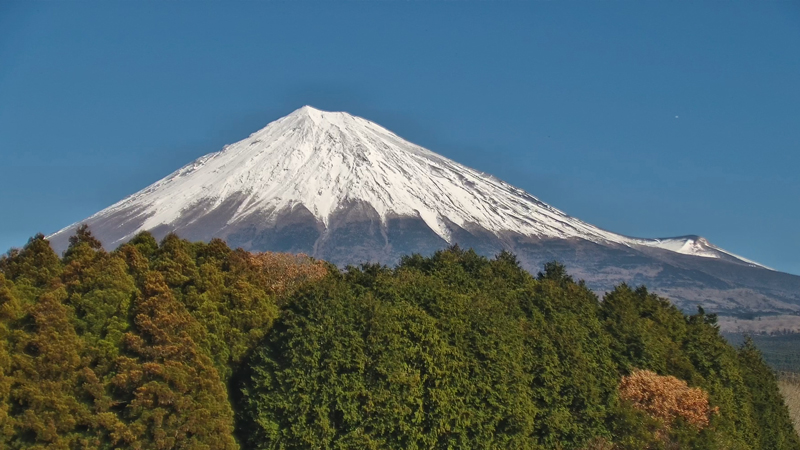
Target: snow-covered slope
325,160
695,246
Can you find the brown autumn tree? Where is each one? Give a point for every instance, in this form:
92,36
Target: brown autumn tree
666,398
278,273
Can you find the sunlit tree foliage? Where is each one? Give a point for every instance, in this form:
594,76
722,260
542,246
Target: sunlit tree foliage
180,345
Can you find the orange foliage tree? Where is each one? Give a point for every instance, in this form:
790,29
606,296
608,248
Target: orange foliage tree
666,398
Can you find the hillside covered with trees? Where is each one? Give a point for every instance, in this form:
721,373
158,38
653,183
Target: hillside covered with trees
180,345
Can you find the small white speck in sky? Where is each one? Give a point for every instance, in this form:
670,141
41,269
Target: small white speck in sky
676,117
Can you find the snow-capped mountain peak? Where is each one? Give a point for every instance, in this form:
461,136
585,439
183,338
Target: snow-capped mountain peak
324,161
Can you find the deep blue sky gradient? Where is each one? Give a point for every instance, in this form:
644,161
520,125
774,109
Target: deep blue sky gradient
574,102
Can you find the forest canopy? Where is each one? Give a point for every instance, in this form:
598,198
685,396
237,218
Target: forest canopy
181,345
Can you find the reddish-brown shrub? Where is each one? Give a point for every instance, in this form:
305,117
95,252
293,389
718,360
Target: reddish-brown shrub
666,398
281,273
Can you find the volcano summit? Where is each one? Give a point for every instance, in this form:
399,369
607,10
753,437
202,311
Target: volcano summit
345,189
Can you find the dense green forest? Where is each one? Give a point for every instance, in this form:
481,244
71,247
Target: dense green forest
781,351
179,345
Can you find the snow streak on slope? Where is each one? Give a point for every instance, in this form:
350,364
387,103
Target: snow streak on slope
323,160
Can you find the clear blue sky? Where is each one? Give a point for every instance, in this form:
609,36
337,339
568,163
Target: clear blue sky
645,118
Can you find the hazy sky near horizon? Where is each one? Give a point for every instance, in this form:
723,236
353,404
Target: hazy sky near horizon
650,119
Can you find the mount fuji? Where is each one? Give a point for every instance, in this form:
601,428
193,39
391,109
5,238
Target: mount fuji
344,189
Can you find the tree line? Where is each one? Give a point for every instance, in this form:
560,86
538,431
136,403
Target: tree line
181,345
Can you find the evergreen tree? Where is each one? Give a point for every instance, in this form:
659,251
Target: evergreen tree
773,425
557,272
576,375
176,399
52,388
10,311
145,243
176,262
36,265
100,292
